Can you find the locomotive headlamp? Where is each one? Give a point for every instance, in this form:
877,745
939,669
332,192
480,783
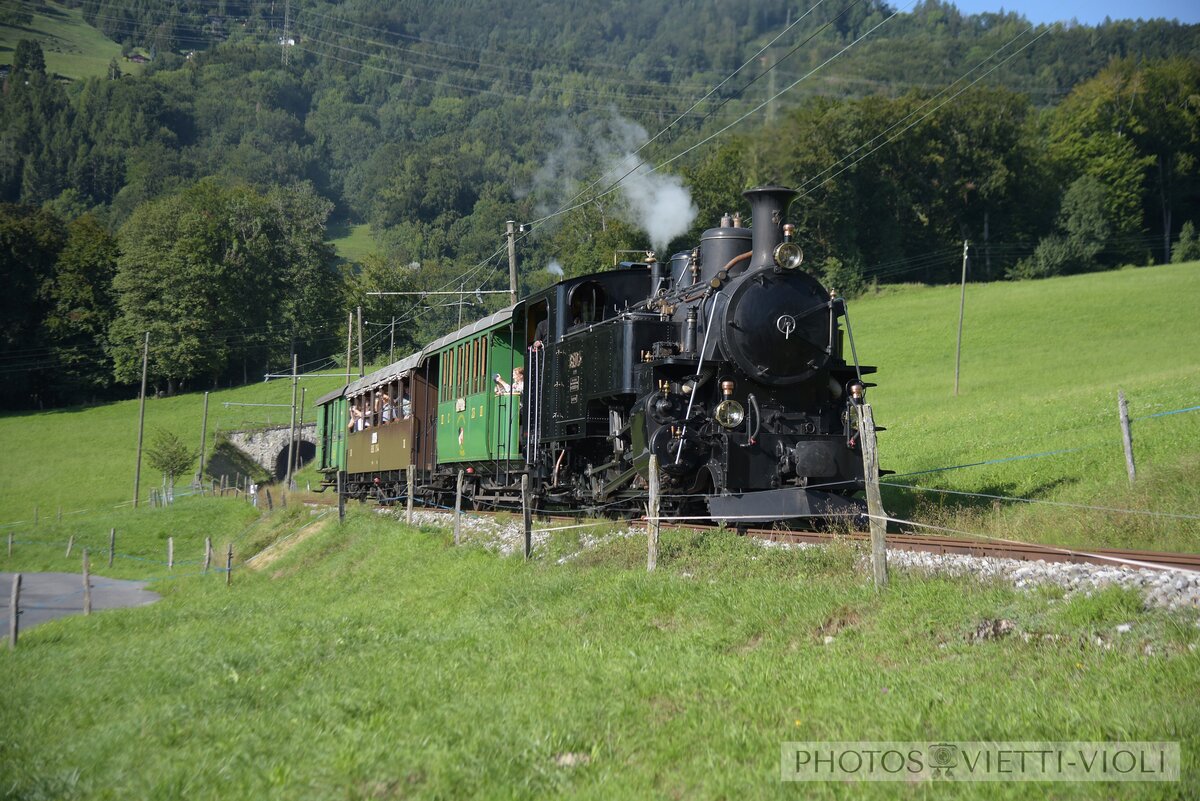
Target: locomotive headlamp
788,255
729,414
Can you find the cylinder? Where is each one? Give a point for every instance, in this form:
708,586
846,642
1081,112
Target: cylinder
689,332
679,269
718,247
768,207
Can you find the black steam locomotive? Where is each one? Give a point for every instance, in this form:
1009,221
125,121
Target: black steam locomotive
724,363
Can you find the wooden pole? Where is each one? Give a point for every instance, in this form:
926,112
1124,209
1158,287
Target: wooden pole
10,539
14,612
87,584
866,438
652,522
510,232
412,483
170,553
270,503
207,553
137,473
229,565
1126,435
527,515
299,437
292,425
360,344
112,545
458,509
203,438
962,304
341,491
70,545
349,342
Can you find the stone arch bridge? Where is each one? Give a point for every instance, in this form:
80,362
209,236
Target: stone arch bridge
269,447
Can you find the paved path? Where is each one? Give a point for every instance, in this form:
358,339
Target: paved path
45,596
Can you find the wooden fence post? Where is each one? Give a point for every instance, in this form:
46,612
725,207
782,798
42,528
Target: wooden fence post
270,503
866,438
652,521
10,538
341,491
14,611
282,500
527,515
1126,435
112,545
70,545
229,565
87,584
170,553
412,485
207,553
458,509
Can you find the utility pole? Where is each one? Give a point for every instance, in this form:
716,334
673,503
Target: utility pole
203,437
349,341
771,87
299,430
461,291
392,344
360,344
287,16
292,427
137,473
962,303
510,230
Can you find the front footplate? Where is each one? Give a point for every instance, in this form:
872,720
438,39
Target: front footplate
762,506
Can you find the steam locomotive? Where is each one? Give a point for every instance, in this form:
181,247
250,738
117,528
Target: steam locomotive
724,363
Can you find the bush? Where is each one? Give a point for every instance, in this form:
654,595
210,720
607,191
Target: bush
844,276
1187,247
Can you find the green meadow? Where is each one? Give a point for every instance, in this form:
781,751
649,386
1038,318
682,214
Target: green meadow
72,48
1042,362
369,660
353,242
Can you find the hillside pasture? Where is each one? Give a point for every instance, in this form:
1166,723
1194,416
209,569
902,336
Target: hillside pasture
72,48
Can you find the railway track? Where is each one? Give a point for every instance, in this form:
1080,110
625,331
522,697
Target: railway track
967,546
1021,551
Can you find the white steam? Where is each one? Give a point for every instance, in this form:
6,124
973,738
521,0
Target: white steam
657,203
554,268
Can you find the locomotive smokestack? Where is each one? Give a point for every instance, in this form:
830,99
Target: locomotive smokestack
768,205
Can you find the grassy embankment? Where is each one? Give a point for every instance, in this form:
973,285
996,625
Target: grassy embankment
370,661
72,48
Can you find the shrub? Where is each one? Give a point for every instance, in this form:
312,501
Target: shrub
1187,247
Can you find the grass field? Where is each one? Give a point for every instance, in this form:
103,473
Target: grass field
71,46
1042,362
353,242
372,661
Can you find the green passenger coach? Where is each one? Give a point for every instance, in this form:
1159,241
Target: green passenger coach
478,422
439,410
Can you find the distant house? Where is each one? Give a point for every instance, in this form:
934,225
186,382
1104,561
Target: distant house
137,58
289,41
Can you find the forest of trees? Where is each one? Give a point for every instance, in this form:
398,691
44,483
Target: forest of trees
194,200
